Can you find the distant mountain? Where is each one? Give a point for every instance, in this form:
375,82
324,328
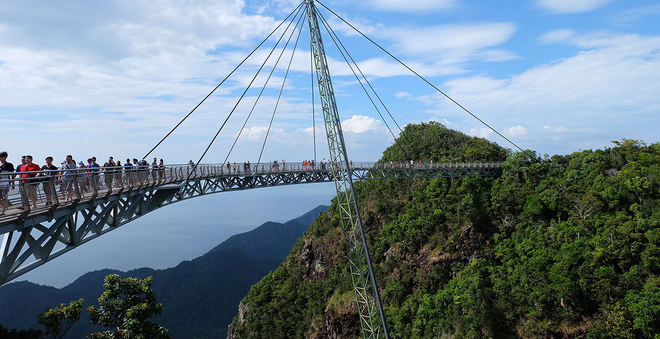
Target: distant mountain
199,297
272,235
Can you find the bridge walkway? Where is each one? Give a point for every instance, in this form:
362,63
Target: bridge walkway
99,202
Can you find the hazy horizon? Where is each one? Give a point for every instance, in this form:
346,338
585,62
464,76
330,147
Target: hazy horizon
159,240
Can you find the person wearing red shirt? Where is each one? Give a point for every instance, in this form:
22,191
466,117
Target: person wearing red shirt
30,181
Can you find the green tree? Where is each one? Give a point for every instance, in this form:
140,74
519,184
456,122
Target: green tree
126,306
59,320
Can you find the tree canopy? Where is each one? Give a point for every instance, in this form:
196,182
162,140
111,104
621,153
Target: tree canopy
562,246
126,306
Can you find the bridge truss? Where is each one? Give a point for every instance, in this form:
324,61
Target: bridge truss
33,236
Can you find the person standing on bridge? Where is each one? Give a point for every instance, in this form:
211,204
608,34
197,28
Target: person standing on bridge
119,181
94,173
154,170
69,177
109,170
143,174
134,172
161,170
48,179
81,177
128,168
18,169
29,181
5,178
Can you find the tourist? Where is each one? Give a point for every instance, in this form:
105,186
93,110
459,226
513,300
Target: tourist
128,169
94,173
48,179
109,169
134,172
118,178
143,171
81,178
161,170
5,180
18,169
154,169
29,179
69,176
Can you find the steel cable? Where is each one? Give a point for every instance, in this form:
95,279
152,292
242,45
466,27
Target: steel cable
223,81
244,92
425,80
263,88
340,47
286,75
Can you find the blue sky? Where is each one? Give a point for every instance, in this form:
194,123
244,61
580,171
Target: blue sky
112,77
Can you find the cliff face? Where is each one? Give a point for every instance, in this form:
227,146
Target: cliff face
559,247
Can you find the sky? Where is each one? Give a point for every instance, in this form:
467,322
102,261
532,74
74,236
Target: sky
112,78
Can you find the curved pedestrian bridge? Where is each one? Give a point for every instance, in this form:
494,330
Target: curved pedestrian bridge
72,208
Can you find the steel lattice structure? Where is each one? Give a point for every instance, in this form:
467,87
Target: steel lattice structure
370,310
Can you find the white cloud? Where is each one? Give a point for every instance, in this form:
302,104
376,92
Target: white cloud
516,131
631,16
446,47
361,124
412,6
572,6
452,37
402,94
257,133
557,36
609,85
481,133
109,50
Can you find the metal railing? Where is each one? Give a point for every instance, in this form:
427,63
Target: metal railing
51,188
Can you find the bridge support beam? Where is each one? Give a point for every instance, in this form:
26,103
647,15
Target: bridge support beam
370,309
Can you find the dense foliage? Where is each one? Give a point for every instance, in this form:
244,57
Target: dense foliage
127,306
59,320
433,142
555,247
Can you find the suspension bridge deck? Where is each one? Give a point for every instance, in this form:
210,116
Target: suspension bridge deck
101,201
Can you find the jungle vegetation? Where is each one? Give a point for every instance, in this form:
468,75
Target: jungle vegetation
562,246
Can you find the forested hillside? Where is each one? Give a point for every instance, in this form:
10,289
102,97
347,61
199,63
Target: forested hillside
555,247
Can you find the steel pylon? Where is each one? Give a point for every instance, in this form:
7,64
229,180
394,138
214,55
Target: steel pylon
370,310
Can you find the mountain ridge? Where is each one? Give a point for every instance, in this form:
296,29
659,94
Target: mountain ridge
198,299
